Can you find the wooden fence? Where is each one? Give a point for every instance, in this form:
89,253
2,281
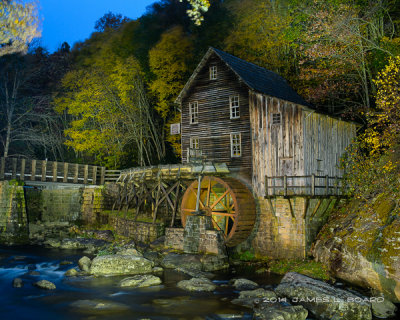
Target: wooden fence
312,185
51,171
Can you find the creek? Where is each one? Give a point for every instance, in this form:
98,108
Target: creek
68,300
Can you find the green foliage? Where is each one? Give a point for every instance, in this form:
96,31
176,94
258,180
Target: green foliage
309,268
169,60
372,163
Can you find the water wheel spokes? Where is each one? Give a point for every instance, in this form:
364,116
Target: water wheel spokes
229,203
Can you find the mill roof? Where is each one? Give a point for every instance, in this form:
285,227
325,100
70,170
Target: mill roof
255,77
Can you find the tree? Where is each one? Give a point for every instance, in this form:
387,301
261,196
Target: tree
19,25
169,60
264,33
111,115
199,7
110,21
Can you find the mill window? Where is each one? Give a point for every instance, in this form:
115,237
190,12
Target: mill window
194,143
213,73
194,112
234,107
236,145
276,118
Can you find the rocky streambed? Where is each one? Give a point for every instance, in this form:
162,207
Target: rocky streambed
129,282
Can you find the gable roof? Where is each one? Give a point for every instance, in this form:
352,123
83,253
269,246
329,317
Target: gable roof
255,77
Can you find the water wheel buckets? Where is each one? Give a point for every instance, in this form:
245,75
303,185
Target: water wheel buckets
228,201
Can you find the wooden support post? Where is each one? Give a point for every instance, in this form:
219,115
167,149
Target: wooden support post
285,185
2,167
33,172
85,174
65,179
266,193
55,165
313,184
102,175
14,168
44,168
178,187
76,173
94,175
22,174
336,186
327,185
157,201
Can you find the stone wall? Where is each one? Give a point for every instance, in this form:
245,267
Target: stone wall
13,217
92,203
286,227
198,236
145,232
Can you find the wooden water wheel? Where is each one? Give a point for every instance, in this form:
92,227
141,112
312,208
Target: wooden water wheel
228,201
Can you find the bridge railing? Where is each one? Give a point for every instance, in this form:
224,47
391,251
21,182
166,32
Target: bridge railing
312,185
50,171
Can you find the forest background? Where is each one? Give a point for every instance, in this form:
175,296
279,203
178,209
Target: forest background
109,100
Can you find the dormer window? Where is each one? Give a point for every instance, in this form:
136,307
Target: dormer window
213,73
234,107
194,112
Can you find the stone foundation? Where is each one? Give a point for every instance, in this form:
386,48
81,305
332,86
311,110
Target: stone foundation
198,236
287,227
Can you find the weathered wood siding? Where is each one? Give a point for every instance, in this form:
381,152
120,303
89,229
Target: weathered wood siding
325,140
304,143
214,124
277,148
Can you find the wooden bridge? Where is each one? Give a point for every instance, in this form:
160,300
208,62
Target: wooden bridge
53,171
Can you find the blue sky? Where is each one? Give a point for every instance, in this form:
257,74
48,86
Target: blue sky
73,20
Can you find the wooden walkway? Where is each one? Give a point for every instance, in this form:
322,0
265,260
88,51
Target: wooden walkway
51,171
312,185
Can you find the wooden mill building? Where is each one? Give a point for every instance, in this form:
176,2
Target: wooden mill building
274,142
251,119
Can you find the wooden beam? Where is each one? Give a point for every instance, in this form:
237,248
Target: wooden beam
65,179
102,175
22,172
14,168
94,175
76,173
55,165
33,171
44,167
85,174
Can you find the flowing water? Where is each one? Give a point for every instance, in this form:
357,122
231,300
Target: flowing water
71,298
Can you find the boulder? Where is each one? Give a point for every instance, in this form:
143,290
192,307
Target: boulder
153,256
17,283
323,300
91,245
212,262
195,273
249,298
158,271
98,306
84,263
106,235
129,252
140,281
361,245
197,285
279,312
45,284
383,308
120,264
71,273
176,260
244,284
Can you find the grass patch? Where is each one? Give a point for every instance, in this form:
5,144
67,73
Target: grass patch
309,268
